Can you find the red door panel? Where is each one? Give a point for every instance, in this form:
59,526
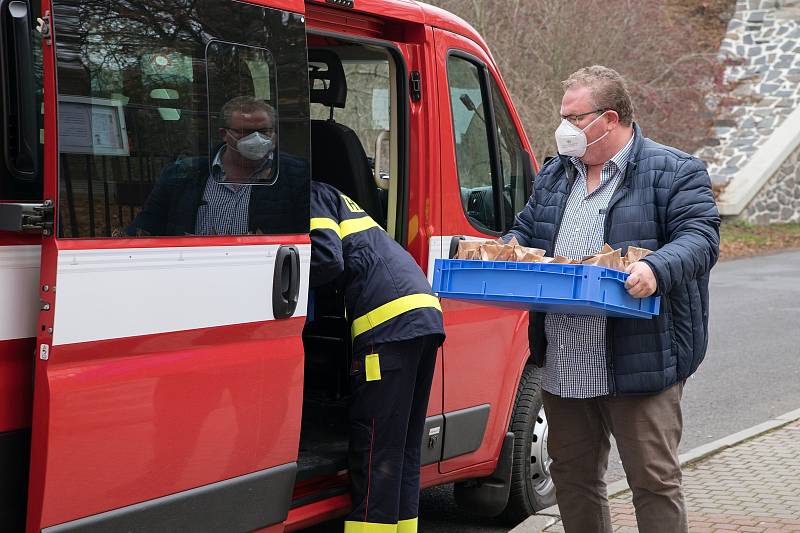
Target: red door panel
486,347
131,418
161,366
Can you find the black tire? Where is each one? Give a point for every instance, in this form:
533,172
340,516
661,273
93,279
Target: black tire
532,488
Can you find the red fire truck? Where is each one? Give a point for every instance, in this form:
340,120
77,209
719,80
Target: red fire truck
166,382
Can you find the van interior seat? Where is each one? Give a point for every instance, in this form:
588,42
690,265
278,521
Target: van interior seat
337,155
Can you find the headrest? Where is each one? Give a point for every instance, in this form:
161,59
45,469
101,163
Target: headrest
326,66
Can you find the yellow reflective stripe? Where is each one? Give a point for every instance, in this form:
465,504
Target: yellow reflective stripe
326,223
407,526
389,310
346,227
368,527
354,225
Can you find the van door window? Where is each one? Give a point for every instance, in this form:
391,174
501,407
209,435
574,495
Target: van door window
473,148
512,169
186,120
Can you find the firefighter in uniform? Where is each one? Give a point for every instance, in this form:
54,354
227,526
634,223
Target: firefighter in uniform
396,328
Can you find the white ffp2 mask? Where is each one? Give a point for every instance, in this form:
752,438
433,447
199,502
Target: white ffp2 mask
571,140
255,146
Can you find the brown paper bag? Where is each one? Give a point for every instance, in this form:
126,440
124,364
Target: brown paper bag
524,254
505,253
635,254
490,251
468,250
608,258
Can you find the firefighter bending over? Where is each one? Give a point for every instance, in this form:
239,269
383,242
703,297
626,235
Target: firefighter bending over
396,330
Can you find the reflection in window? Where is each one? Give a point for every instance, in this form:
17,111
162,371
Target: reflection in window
472,142
245,125
141,93
511,154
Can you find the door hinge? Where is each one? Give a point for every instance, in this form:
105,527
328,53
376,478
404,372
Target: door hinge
416,86
29,218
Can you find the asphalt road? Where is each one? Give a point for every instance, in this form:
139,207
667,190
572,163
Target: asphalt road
751,373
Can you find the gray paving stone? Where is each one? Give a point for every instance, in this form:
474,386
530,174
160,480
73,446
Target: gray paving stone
751,505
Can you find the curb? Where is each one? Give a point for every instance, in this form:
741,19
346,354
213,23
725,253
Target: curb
686,459
537,522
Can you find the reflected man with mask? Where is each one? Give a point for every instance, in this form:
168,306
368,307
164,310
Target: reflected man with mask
611,376
243,190
246,157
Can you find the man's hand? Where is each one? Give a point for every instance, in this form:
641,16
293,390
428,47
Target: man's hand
642,282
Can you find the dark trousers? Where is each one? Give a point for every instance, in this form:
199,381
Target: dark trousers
387,417
647,430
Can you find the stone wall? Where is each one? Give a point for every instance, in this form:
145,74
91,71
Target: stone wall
762,48
779,199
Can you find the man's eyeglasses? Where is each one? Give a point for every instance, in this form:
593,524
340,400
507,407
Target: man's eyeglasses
578,117
238,134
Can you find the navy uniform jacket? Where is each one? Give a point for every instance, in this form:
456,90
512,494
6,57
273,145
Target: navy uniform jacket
387,297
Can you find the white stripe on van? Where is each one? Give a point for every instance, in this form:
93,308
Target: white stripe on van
19,291
439,248
109,294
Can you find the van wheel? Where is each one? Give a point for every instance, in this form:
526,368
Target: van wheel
532,487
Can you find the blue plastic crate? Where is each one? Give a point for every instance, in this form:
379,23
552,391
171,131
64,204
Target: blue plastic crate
572,289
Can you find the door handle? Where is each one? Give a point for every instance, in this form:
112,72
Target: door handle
286,282
454,245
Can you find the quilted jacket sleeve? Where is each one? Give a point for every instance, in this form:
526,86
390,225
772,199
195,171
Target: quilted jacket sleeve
691,229
523,224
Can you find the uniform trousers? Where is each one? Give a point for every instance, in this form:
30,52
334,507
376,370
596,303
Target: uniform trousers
387,418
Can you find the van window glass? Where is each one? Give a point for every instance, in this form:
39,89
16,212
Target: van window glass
511,154
472,142
191,120
21,169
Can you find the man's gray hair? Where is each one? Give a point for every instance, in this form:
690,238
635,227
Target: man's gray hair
246,104
608,87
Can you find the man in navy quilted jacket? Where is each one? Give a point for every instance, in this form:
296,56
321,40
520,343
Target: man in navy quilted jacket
612,376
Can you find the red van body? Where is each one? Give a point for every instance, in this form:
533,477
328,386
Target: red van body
151,383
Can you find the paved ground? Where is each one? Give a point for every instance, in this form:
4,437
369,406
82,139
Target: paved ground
751,487
750,375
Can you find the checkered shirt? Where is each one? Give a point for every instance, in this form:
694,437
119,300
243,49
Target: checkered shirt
225,207
575,364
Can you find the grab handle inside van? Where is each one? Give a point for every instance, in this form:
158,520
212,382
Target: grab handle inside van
20,131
